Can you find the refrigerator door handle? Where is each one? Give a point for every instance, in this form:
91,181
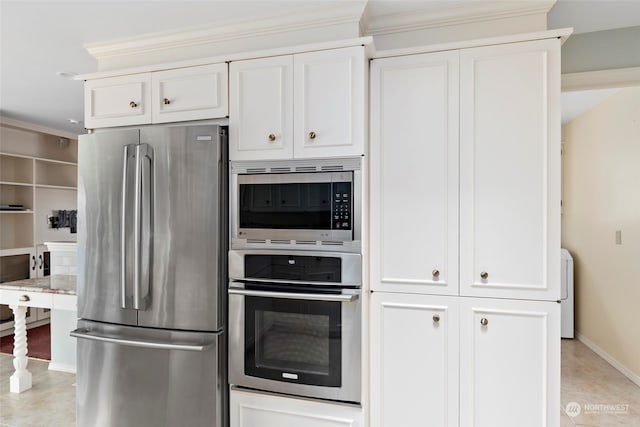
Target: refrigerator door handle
125,298
142,226
82,333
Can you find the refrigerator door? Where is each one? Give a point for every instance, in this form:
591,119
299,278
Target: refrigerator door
188,223
106,181
147,377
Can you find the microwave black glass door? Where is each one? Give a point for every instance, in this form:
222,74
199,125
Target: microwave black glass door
294,341
295,206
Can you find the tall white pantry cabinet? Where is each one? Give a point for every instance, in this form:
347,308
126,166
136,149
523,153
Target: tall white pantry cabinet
465,237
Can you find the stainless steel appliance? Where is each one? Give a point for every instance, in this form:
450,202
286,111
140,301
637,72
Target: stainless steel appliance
294,323
297,204
152,245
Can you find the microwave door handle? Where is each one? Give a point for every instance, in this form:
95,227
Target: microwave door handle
297,296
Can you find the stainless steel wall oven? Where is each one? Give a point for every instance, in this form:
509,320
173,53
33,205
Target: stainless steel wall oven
295,323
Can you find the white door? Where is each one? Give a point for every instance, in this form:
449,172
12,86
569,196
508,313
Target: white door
261,109
414,179
509,363
192,93
414,360
510,171
330,98
255,409
117,101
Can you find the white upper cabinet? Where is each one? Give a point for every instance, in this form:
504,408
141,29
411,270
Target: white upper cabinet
298,106
510,171
192,93
414,360
329,99
261,104
183,94
414,179
117,101
509,363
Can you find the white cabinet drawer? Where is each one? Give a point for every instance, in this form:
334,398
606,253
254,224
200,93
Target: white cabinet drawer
27,299
117,101
192,93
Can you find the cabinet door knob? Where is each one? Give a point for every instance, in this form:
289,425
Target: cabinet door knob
435,273
484,321
133,104
272,137
436,318
166,101
484,275
24,298
312,135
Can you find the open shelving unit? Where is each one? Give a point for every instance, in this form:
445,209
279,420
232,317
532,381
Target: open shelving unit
38,170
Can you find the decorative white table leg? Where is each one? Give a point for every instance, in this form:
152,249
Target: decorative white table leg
21,378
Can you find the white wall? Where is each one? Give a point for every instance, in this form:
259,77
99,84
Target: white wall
601,187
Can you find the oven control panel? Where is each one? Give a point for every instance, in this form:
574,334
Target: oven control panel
342,203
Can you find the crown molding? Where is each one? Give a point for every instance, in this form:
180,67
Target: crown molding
601,79
311,18
32,127
470,12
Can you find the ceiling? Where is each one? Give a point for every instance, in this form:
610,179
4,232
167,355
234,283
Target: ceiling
41,39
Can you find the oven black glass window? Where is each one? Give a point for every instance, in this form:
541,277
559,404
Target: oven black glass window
296,206
293,340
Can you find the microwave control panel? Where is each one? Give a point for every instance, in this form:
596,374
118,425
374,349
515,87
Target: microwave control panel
341,211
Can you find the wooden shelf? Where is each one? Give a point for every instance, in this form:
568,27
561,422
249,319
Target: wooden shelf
28,211
20,184
57,187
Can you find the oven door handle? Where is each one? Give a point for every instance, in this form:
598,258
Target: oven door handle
292,295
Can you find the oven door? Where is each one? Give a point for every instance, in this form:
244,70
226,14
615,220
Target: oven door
305,344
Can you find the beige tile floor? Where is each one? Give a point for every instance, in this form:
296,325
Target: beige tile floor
586,380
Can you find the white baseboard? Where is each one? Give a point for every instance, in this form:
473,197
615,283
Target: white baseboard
53,366
606,356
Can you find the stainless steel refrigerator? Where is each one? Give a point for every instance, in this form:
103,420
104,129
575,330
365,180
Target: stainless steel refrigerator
152,244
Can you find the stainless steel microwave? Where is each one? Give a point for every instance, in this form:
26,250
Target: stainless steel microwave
298,203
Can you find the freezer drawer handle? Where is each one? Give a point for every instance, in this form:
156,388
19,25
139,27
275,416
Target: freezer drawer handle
86,334
291,295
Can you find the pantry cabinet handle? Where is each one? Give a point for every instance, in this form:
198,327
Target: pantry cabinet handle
436,318
133,104
272,137
435,273
33,258
312,135
166,101
40,264
484,275
24,298
484,321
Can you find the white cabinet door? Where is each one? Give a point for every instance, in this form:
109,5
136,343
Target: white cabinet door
414,360
509,363
117,101
192,93
261,109
510,171
254,409
330,98
414,179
